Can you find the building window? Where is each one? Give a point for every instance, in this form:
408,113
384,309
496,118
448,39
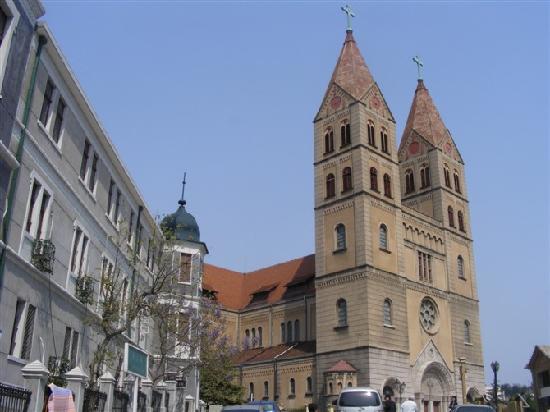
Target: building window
110,198
289,338
130,227
373,179
340,237
79,252
23,330
460,221
467,337
345,134
330,389
292,389
251,391
70,347
387,185
331,186
457,182
56,133
38,211
93,173
84,161
460,267
370,130
346,179
253,340
425,267
329,141
384,140
425,177
297,330
46,103
260,337
309,385
339,387
342,312
383,237
387,312
3,24
283,333
246,339
447,176
409,181
451,216
117,208
185,268
266,390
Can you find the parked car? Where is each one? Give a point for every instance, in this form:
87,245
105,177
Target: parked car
245,408
473,408
359,400
269,406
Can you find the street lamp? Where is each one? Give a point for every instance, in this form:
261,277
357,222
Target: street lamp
495,367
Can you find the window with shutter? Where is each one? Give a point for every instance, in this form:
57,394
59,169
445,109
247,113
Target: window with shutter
17,330
340,237
74,349
46,103
84,161
185,267
93,173
29,330
56,133
67,343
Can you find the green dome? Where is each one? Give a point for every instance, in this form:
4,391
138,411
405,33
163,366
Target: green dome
186,227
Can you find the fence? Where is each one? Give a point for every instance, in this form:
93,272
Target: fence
156,401
120,401
14,399
94,401
142,402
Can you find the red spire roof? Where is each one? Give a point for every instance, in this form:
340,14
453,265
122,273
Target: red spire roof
351,72
341,366
424,118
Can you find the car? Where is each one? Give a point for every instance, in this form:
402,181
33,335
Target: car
243,408
359,400
473,408
269,406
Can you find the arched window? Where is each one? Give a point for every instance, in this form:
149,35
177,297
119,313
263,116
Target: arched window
331,186
467,337
370,130
340,237
447,175
387,185
384,140
373,179
460,267
425,176
246,338
260,337
251,391
339,387
329,141
330,390
346,179
266,390
297,330
409,181
283,333
345,133
289,332
309,385
387,312
461,221
292,389
457,182
383,237
253,340
451,216
342,312
350,384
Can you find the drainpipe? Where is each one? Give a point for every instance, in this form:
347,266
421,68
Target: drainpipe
306,322
18,155
137,244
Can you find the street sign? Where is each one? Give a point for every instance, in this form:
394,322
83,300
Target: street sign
136,361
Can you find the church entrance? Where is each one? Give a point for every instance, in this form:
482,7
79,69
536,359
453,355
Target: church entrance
435,389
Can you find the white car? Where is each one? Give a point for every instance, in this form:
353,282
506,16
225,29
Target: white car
359,400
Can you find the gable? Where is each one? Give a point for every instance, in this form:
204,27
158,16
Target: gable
374,100
335,99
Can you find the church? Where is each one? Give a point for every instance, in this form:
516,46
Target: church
389,299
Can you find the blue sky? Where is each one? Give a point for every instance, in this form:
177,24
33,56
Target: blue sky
228,91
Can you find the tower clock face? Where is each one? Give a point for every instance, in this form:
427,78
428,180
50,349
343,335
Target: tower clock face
336,102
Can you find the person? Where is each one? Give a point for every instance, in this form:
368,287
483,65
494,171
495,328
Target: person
453,403
389,404
409,405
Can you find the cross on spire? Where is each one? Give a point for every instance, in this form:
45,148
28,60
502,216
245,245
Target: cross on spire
182,200
349,14
419,65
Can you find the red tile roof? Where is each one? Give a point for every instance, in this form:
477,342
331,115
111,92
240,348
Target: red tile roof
341,366
279,352
235,289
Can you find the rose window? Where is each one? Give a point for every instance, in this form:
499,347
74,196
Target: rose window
428,314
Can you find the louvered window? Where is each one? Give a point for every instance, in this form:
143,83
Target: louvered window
383,237
457,182
461,221
46,103
373,179
74,349
283,333
342,312
38,218
84,161
185,267
260,337
384,141
292,387
346,179
447,175
297,330
387,312
28,333
409,181
451,216
329,141
340,237
345,134
56,133
425,177
425,267
370,132
289,336
91,182
387,186
331,186
17,329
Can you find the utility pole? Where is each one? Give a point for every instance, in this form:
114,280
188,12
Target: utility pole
495,366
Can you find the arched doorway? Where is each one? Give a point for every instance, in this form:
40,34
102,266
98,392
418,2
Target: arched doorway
436,388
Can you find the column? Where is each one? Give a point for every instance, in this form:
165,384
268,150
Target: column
171,393
107,386
147,388
76,382
36,376
161,387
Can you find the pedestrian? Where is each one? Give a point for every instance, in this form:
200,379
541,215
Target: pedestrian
453,403
389,404
409,405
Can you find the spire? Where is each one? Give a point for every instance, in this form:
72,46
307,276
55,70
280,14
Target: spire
351,72
424,118
182,201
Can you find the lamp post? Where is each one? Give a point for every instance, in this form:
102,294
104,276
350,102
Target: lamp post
495,367
401,388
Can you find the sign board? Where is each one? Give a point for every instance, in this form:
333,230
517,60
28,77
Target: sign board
136,361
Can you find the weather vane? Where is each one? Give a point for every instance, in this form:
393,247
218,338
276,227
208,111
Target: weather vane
182,200
349,14
420,66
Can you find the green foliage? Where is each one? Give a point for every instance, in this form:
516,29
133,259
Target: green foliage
58,367
43,255
167,225
513,389
84,291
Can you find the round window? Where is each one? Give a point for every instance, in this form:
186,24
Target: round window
429,315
